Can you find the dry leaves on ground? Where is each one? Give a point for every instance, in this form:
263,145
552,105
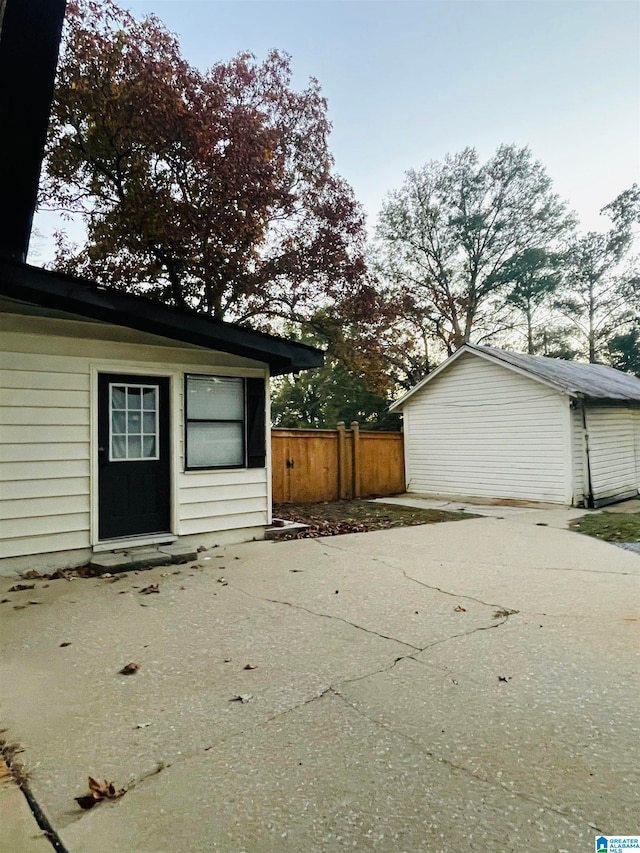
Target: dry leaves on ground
99,791
130,669
148,590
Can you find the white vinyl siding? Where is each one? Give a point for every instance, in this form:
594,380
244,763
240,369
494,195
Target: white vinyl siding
636,439
612,453
45,434
482,430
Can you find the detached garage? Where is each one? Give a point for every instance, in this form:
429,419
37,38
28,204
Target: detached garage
500,425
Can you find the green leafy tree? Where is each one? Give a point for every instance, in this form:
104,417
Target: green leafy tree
532,278
601,282
447,237
623,351
321,398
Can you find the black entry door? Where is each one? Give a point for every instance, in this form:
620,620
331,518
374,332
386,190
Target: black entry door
133,455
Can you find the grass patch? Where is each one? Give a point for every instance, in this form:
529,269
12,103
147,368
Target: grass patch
610,526
332,518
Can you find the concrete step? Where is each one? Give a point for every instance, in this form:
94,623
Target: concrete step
126,559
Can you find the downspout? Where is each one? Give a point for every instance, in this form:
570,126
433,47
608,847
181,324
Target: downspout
587,460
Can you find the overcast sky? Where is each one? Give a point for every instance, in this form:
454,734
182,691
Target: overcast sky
408,81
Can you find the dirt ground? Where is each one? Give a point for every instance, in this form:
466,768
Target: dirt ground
333,518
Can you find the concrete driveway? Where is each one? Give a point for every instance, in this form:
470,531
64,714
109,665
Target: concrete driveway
467,686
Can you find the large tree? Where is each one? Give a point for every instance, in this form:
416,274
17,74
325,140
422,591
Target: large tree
214,190
532,277
448,235
601,280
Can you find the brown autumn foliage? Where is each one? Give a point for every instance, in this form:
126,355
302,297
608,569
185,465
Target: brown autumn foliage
213,190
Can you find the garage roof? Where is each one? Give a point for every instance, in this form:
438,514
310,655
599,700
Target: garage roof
576,379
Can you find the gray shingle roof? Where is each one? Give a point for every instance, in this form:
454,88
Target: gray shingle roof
592,381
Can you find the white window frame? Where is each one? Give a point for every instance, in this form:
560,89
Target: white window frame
127,458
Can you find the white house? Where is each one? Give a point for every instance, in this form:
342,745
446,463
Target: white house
500,425
125,422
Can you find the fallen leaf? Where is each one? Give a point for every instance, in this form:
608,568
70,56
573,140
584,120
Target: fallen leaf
123,591
460,609
223,581
20,586
34,602
64,645
19,606
503,613
99,791
130,669
142,725
249,666
201,548
5,600
291,570
241,697
504,678
147,590
88,801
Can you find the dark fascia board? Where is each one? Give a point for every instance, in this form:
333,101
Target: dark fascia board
86,299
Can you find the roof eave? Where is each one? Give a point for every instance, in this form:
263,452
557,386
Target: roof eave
50,290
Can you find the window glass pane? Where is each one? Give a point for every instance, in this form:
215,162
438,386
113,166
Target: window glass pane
214,445
133,397
134,448
149,423
149,447
118,447
134,421
215,398
149,398
118,397
119,422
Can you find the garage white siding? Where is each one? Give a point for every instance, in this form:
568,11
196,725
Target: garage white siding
636,439
45,434
482,430
612,453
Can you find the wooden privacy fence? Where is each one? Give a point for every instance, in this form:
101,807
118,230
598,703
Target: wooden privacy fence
329,464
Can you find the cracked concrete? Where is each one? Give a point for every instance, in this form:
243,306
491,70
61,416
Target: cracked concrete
383,715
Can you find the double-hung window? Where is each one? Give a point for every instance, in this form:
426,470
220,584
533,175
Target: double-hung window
215,422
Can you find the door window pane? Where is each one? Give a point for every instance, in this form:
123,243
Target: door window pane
149,446
215,445
130,422
119,447
149,398
119,422
118,397
134,422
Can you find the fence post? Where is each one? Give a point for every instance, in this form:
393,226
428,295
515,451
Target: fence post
341,460
355,465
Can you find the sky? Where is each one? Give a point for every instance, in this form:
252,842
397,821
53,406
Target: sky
408,81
